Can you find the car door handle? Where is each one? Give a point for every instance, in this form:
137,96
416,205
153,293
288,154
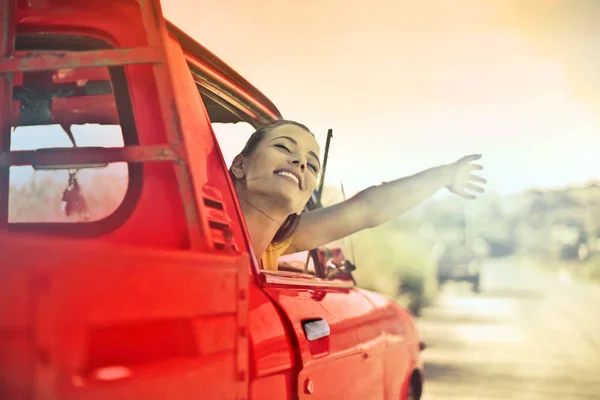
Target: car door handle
316,329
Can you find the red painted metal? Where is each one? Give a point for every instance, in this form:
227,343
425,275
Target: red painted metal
177,309
85,157
71,103
86,109
53,60
213,67
353,349
146,315
7,44
170,106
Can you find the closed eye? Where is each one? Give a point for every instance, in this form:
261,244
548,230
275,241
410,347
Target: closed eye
281,146
313,167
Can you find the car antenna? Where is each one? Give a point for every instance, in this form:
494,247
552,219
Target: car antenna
316,196
350,237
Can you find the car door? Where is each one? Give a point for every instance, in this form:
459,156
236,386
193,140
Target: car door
394,322
338,339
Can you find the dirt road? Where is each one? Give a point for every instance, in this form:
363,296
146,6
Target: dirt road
528,335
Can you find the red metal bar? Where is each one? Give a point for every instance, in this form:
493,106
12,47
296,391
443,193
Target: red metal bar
80,157
157,35
53,60
202,217
7,46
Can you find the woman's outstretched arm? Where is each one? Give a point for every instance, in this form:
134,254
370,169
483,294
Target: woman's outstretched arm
378,204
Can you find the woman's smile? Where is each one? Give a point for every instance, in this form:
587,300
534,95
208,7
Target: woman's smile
290,177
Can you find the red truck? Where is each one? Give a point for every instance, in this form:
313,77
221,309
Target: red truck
126,270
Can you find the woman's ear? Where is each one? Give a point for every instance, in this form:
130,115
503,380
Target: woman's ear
237,166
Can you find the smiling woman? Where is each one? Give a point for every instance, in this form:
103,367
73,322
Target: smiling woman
276,173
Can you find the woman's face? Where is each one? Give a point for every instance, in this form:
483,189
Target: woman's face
283,168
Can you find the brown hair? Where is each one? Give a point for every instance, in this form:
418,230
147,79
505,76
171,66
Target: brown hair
289,226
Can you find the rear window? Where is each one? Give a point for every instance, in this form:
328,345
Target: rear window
66,195
67,109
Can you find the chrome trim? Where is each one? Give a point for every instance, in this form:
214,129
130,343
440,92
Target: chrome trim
297,279
316,329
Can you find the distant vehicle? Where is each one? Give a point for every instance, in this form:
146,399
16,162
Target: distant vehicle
459,263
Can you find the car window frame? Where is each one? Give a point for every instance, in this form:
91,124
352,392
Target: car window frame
234,103
70,42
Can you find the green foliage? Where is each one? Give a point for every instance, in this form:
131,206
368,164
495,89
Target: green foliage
396,262
591,268
392,259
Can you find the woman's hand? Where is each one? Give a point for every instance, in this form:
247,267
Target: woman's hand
378,204
463,179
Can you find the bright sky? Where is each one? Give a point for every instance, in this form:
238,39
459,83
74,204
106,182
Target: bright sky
406,85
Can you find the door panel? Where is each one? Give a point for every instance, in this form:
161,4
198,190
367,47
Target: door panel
348,362
396,357
109,322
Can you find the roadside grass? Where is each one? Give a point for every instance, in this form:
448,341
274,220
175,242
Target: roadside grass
587,270
396,262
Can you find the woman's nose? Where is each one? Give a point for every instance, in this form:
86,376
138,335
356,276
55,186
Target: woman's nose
300,162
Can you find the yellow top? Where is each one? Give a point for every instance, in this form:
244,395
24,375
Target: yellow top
273,252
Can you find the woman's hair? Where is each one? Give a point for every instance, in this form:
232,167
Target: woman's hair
287,229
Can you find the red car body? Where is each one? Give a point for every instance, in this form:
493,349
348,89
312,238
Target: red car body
162,297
